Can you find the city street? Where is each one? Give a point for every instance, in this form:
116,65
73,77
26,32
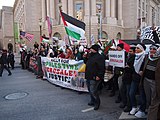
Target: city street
35,99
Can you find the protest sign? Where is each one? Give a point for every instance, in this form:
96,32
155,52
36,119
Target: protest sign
117,58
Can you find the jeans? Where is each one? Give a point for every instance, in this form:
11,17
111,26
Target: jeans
124,91
133,89
93,90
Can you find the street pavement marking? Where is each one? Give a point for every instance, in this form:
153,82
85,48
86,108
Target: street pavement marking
89,109
22,77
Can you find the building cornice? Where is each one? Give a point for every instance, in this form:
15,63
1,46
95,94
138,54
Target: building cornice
15,4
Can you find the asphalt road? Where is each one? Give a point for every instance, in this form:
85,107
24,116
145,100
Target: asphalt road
45,101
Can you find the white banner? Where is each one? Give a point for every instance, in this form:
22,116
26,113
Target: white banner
64,72
117,58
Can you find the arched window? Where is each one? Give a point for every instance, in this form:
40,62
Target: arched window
118,36
104,35
58,35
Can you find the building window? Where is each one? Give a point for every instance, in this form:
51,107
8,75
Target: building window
79,10
143,6
58,35
118,36
104,35
153,15
139,3
139,13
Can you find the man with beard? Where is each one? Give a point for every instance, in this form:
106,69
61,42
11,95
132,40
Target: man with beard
94,73
151,83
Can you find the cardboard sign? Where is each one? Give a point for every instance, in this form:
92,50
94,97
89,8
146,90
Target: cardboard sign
117,58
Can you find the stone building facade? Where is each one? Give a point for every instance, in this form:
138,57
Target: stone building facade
6,27
26,15
105,19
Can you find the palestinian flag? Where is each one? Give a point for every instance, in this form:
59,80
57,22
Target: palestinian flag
44,39
109,44
126,46
74,28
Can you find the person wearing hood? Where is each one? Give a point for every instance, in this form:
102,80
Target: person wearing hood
151,82
94,74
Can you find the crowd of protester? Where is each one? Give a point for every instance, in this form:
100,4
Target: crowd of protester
138,83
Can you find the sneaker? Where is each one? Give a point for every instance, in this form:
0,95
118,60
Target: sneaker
140,114
133,111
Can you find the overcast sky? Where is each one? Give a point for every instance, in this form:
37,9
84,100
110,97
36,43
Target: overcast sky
6,3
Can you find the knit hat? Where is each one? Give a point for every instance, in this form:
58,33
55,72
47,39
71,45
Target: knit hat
95,47
121,45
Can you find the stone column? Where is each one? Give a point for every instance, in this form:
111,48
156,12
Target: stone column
120,21
113,19
108,8
70,7
43,10
48,7
43,14
64,5
52,9
93,6
119,9
113,7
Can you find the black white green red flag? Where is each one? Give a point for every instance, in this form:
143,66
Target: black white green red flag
74,28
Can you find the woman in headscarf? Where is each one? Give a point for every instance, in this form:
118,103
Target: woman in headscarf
138,68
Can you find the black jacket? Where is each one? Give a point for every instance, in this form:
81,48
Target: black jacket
128,71
4,59
95,66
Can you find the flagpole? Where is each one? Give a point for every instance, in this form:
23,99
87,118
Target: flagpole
90,23
69,41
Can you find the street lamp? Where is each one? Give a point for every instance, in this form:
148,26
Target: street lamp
40,26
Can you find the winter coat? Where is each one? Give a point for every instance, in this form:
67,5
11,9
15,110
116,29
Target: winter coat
4,59
95,66
157,76
128,71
